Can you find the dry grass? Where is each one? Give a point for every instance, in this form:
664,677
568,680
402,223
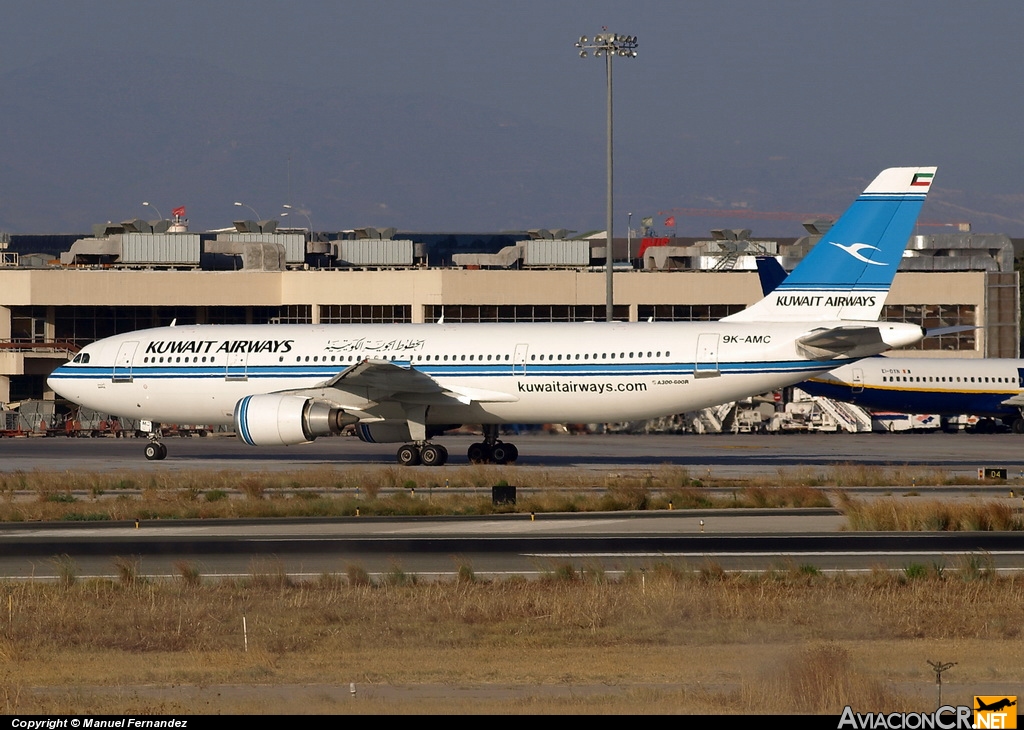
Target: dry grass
371,479
337,492
863,475
674,638
48,496
817,680
930,515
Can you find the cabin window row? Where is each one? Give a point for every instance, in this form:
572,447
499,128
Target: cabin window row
944,379
430,358
482,358
186,359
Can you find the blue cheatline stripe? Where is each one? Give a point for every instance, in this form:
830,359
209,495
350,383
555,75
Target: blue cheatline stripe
505,370
914,400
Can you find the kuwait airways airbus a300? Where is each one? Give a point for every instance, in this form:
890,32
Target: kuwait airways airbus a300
289,384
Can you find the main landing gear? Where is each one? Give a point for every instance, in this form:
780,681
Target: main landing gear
491,450
426,454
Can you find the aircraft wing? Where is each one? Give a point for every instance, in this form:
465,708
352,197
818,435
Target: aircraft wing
383,375
370,382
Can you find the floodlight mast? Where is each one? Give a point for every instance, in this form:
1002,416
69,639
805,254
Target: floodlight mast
292,209
608,45
150,205
245,205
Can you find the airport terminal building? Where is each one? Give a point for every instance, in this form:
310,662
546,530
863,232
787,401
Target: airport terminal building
137,275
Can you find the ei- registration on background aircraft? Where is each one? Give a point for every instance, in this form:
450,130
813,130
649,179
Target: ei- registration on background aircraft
406,383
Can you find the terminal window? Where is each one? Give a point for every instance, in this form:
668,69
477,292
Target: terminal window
686,312
365,313
934,316
522,312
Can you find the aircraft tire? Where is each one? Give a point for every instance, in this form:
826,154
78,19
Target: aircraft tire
1018,425
477,454
433,455
500,453
155,451
513,453
408,455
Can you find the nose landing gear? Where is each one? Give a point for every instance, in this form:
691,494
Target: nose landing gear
155,451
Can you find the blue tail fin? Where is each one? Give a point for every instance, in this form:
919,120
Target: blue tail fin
847,275
770,272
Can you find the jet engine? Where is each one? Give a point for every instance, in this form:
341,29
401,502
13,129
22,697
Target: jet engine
275,420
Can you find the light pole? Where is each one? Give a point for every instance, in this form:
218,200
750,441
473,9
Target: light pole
629,239
292,209
150,205
243,205
608,45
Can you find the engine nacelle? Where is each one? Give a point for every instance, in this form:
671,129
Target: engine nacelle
393,432
276,420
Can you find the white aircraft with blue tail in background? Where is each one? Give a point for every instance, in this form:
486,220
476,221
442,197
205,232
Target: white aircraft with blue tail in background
407,383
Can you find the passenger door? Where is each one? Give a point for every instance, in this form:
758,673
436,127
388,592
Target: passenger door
706,362
123,362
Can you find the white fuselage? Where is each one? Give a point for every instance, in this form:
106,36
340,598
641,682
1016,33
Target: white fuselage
499,373
947,386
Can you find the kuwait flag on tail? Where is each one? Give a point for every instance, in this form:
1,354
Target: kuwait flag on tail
922,180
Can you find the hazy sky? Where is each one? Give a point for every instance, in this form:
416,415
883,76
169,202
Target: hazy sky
785,104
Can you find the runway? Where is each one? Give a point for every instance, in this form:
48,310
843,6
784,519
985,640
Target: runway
726,455
493,546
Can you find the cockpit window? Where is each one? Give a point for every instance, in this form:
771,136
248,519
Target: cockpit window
81,358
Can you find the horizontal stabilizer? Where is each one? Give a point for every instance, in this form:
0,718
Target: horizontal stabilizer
856,341
937,331
1017,401
826,344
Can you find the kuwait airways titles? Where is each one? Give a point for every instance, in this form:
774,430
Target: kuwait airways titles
205,347
823,301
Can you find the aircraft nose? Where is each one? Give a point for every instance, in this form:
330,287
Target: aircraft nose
54,380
